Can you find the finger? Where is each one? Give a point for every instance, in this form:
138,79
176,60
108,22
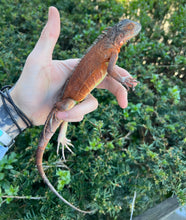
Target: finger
77,112
50,33
123,72
116,89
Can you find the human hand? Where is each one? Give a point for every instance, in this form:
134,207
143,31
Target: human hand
36,90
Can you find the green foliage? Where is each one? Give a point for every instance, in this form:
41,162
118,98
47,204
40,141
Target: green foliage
64,178
117,152
6,187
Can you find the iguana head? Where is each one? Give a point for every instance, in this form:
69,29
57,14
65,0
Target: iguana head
124,31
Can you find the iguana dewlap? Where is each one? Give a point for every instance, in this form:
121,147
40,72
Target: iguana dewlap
91,70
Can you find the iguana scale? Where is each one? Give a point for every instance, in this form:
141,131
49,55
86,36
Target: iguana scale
91,70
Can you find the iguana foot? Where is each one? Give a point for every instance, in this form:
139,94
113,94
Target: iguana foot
128,82
65,142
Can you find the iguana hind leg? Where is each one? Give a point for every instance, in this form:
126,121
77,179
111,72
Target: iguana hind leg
63,140
64,105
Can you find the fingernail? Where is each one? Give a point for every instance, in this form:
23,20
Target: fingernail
49,12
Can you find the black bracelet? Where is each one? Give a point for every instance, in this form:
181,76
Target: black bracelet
6,95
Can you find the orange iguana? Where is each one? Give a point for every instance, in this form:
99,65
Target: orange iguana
91,70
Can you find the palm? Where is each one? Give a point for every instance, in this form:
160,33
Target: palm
54,78
44,89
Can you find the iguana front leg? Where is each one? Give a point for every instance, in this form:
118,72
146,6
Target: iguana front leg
127,81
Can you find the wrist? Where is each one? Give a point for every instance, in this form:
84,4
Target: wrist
20,105
20,98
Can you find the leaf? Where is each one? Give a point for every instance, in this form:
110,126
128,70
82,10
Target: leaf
2,176
64,178
8,167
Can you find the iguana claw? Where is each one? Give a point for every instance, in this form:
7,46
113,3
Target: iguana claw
65,142
128,82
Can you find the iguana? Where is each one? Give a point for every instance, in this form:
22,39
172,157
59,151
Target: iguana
99,61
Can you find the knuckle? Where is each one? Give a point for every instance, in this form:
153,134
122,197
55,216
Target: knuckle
94,102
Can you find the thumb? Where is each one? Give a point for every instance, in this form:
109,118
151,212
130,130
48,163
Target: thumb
49,35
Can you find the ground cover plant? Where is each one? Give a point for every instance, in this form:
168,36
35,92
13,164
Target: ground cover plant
117,152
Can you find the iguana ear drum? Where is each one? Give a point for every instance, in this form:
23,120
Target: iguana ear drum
130,26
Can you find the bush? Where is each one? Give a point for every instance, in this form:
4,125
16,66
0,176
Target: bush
139,149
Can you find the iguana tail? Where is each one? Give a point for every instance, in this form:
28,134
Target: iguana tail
52,123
